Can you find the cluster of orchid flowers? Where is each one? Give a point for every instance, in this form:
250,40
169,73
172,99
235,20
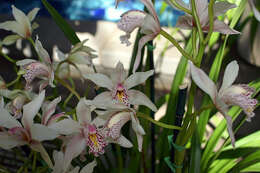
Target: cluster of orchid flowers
99,121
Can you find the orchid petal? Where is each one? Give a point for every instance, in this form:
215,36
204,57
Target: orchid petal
65,126
31,109
136,125
10,39
223,28
25,62
58,161
23,20
49,110
149,5
7,120
119,74
203,81
141,44
137,78
14,27
98,122
202,8
40,132
8,141
31,15
150,25
220,8
230,75
37,146
138,98
75,170
89,168
81,57
255,11
184,22
100,79
139,141
124,142
83,112
41,51
131,20
75,146
230,130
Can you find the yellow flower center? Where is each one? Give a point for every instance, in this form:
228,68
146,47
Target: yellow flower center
93,138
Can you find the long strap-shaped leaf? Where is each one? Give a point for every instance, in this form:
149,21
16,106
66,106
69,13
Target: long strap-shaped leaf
63,25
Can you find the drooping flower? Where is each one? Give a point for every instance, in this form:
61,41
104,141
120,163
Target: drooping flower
148,22
58,158
228,94
27,132
22,23
219,8
119,94
38,69
79,54
84,133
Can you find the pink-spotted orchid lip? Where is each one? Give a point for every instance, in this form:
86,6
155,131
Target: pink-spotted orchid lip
219,8
120,94
228,94
148,22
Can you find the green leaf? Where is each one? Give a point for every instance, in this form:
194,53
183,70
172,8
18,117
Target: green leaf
63,25
195,153
252,168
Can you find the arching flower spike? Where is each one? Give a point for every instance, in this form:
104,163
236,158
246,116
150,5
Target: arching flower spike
228,94
119,94
148,22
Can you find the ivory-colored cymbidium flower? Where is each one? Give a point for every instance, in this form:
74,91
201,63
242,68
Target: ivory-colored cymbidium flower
219,8
79,54
85,133
58,158
228,94
27,132
38,69
120,94
148,22
22,23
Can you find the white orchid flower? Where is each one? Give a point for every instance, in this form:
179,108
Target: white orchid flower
254,9
119,94
79,54
27,132
41,69
219,8
228,94
59,165
22,24
148,22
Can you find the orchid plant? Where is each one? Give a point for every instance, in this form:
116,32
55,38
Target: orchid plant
91,133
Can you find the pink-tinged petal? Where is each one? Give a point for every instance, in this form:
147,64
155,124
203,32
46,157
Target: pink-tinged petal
203,81
138,98
230,75
116,122
123,142
23,20
130,20
223,28
119,74
184,22
201,7
89,168
37,146
7,120
150,25
40,132
149,5
14,27
83,112
8,141
222,7
41,51
100,79
255,10
141,44
75,146
58,158
31,109
32,14
66,126
137,78
49,109
56,117
125,39
230,130
43,84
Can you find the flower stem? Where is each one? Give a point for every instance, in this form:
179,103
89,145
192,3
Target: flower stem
14,81
197,20
7,58
211,20
176,44
62,82
181,7
167,126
